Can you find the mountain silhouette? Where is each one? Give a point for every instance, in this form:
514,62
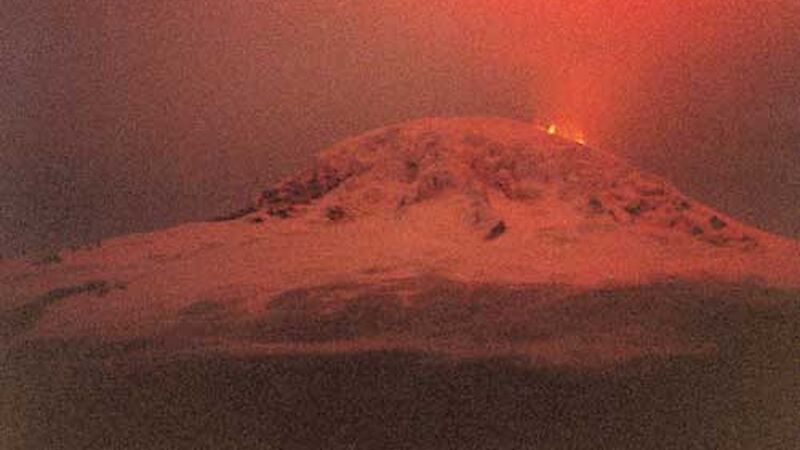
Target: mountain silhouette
377,297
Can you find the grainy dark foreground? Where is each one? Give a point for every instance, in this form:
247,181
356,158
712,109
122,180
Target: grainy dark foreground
89,394
58,398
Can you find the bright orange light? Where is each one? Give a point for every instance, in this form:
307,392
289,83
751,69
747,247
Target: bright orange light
567,132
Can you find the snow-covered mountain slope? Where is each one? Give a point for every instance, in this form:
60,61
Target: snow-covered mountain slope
461,236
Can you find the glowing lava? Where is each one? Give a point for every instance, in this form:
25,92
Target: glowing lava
568,133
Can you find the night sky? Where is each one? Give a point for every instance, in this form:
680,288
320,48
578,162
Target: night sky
131,116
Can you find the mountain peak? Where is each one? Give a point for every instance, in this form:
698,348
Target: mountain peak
484,162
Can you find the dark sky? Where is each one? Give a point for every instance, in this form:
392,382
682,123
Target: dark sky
130,116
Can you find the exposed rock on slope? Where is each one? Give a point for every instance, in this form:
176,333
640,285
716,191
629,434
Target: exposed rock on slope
394,168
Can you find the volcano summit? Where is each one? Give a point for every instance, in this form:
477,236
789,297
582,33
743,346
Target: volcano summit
488,163
438,257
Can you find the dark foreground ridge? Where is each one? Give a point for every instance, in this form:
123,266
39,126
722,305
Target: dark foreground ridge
395,400
94,394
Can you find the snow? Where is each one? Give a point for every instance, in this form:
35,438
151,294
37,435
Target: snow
417,201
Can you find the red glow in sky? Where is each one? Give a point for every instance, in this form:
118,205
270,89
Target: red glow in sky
134,115
601,63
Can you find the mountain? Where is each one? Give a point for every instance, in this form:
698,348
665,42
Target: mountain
455,250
